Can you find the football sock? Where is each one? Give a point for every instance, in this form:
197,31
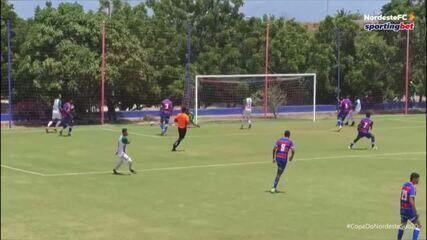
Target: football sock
119,163
50,124
399,234
57,124
69,130
276,181
415,234
176,144
355,140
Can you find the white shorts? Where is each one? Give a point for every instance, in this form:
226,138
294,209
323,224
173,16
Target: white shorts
56,115
247,113
124,157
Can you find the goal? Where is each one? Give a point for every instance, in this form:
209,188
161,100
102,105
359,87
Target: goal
272,94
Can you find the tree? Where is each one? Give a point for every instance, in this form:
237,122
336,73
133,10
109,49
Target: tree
417,43
348,30
276,98
17,32
373,62
59,51
129,75
58,57
289,46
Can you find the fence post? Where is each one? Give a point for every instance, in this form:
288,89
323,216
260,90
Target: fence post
187,100
407,73
101,105
267,33
9,81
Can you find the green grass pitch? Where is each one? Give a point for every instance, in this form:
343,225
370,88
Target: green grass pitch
216,188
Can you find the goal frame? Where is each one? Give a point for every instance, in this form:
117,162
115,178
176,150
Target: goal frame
198,77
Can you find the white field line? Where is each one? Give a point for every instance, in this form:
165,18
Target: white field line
77,173
135,133
23,170
204,136
41,130
5,130
249,134
245,163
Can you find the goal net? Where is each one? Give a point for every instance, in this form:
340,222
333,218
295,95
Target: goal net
272,95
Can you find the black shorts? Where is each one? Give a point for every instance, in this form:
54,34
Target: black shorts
182,132
67,121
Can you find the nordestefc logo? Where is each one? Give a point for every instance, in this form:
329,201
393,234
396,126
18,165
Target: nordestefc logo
400,22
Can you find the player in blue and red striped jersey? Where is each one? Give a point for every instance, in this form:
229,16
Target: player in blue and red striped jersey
408,212
344,109
165,113
363,129
67,117
280,156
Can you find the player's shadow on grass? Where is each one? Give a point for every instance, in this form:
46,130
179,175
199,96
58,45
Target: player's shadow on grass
359,148
277,191
179,150
121,174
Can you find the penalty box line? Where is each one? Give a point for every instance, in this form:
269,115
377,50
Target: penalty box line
218,165
245,134
23,170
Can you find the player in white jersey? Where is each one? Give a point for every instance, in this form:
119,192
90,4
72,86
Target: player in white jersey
358,106
357,109
247,113
121,152
56,114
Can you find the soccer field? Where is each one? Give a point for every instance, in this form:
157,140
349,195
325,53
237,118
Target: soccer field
215,188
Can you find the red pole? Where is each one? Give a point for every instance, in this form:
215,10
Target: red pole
407,73
266,71
102,72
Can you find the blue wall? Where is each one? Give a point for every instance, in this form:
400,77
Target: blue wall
238,111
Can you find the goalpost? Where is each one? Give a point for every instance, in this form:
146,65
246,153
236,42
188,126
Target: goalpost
272,94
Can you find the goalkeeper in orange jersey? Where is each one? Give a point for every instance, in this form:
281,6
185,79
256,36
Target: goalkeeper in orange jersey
182,121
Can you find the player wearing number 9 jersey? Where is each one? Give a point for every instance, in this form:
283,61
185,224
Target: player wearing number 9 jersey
408,212
363,129
280,156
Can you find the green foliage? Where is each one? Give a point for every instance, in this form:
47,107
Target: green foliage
417,42
276,98
17,32
59,50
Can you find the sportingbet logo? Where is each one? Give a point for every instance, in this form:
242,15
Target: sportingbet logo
406,22
388,26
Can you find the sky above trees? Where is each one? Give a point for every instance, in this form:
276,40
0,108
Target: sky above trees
301,10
